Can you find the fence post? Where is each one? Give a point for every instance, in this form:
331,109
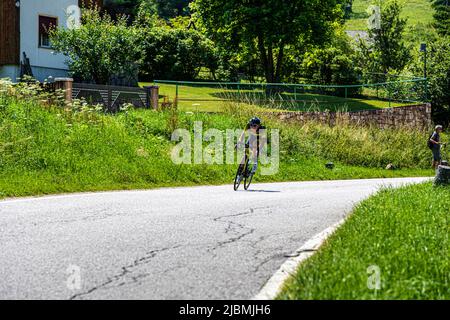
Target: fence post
345,92
389,95
154,94
109,102
176,95
65,84
152,97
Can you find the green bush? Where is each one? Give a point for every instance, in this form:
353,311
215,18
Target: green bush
176,54
438,69
100,48
331,66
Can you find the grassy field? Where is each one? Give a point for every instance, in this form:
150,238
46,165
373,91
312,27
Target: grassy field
50,149
418,12
404,232
215,99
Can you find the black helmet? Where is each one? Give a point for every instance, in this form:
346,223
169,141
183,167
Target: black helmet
255,121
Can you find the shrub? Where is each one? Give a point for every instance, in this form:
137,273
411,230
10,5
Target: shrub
438,69
331,66
101,48
176,54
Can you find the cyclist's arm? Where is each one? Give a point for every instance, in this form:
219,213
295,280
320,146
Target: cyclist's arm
241,138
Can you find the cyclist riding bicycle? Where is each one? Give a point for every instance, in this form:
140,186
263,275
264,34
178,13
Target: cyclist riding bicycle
255,141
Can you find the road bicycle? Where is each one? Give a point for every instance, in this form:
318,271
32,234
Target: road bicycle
244,171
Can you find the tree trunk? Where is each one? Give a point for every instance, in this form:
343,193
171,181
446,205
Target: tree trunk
442,176
264,57
279,63
272,72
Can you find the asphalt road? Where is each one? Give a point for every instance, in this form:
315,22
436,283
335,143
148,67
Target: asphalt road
176,243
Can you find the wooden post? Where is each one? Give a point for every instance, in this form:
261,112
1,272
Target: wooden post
154,97
442,176
152,93
65,84
176,96
109,103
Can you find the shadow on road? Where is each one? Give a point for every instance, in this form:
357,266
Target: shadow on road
270,191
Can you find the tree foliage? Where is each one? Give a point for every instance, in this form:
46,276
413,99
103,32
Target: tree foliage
438,69
166,9
176,54
385,51
118,8
330,65
442,16
267,28
100,48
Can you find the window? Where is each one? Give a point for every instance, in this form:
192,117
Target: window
45,25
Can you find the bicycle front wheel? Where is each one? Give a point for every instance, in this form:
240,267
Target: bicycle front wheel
248,181
239,176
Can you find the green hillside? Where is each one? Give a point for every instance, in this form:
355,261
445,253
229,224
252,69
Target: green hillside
418,12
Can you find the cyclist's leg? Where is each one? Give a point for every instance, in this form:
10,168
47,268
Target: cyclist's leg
253,151
254,160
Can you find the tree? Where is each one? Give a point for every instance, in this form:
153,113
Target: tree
100,48
168,9
386,51
442,16
330,65
118,8
267,27
438,69
176,54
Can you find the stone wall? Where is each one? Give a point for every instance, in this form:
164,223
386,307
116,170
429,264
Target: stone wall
415,116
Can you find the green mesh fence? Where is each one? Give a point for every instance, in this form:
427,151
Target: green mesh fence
215,96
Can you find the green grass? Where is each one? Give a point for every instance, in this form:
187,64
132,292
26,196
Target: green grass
216,99
405,232
50,149
418,12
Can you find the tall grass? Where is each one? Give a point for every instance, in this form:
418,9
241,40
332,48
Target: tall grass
367,146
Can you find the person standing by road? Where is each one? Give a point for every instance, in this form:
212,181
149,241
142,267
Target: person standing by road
434,144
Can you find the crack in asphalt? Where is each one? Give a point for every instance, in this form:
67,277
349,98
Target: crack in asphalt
239,229
126,270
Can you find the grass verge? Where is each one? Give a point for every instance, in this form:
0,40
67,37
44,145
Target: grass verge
404,232
52,149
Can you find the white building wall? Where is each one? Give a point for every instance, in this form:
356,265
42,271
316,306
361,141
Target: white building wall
10,71
44,62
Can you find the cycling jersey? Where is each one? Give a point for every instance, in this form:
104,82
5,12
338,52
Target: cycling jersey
253,138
